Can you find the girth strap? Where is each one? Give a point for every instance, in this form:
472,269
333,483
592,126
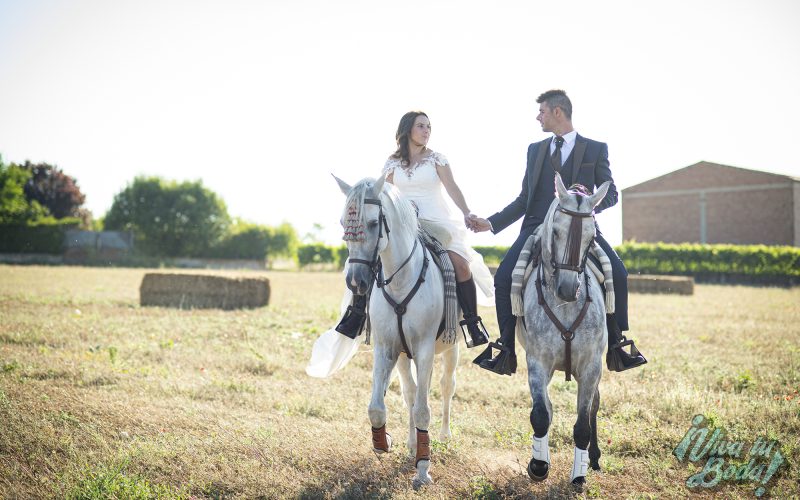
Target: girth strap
566,334
401,308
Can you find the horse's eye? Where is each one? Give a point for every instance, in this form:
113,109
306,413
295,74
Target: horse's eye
372,224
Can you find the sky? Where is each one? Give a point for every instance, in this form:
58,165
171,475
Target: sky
263,100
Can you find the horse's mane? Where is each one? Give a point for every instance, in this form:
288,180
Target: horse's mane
396,208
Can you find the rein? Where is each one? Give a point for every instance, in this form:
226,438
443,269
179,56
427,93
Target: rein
571,257
376,268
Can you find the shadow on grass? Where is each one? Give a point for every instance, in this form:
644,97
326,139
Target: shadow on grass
384,479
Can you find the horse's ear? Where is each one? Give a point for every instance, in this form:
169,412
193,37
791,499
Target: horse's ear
561,190
598,195
345,187
378,187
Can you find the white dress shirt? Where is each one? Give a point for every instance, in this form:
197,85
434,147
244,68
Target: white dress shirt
566,148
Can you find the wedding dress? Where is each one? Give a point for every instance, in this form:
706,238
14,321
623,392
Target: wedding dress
419,183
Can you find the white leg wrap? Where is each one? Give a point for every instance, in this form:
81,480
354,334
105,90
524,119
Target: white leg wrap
580,463
541,449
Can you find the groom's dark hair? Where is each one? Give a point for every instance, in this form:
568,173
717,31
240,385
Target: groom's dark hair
557,99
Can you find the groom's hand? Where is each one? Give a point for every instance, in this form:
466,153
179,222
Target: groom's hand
478,224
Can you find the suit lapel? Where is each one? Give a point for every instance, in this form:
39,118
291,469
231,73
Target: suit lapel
577,157
541,154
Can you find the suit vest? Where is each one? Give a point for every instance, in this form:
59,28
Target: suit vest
546,188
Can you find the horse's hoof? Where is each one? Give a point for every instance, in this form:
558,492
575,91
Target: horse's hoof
595,465
578,484
538,470
419,482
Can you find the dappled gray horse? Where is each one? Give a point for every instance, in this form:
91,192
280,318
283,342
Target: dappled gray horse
565,328
381,231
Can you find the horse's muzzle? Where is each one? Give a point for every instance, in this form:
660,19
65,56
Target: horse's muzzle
567,285
357,280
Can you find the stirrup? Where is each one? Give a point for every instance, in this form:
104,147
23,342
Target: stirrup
505,363
477,324
352,322
617,360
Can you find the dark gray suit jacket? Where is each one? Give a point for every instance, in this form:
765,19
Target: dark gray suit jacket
589,167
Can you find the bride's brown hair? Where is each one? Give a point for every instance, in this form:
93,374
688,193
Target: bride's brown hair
403,132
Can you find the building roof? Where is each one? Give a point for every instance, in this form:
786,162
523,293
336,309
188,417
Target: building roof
711,175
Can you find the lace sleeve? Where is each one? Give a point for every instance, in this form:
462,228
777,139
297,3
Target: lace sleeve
388,167
440,160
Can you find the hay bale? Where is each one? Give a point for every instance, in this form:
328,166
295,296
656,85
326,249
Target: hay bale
195,291
650,283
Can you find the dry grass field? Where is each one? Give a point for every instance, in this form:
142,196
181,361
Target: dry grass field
101,398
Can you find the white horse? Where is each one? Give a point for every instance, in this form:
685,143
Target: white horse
380,224
565,328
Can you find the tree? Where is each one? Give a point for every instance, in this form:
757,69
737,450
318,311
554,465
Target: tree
283,241
52,188
168,218
15,208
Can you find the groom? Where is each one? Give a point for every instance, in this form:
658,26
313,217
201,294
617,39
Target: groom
578,160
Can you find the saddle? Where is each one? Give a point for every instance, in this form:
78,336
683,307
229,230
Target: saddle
429,235
528,260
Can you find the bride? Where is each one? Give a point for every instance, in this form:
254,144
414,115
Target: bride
419,173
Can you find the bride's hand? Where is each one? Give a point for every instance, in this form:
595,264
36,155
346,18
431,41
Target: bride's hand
478,224
468,220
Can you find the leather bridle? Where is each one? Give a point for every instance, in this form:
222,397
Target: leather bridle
375,263
376,269
571,258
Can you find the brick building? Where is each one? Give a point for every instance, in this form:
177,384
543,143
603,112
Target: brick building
712,203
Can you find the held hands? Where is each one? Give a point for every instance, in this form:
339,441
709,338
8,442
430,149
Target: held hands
476,224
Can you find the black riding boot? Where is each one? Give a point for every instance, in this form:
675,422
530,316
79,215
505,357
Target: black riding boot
505,363
354,318
617,359
468,300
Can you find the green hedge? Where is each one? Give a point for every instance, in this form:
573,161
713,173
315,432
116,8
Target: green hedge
315,253
492,255
697,259
319,253
341,256
45,236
